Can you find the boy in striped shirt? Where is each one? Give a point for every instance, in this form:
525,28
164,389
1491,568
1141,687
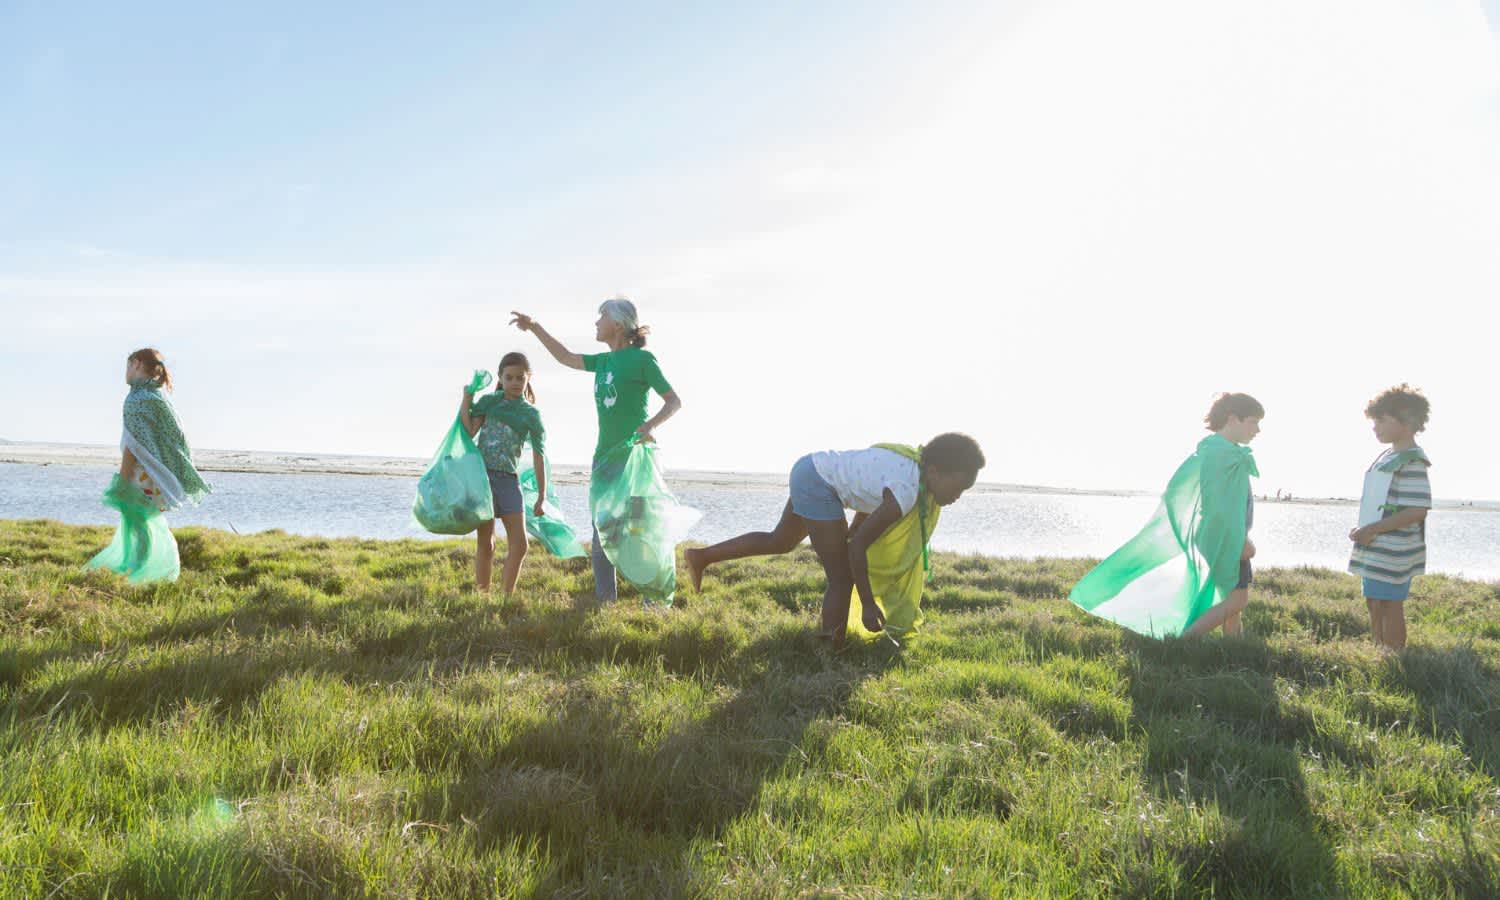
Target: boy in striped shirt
1390,544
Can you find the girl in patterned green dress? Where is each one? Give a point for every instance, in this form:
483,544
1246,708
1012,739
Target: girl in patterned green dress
502,423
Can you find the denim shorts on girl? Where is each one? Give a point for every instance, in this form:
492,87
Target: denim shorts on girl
1385,590
813,498
505,488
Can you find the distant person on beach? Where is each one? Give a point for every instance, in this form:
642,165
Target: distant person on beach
1188,571
624,377
502,423
156,475
895,493
1390,541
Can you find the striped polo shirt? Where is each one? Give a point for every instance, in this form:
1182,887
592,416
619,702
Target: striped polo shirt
1397,556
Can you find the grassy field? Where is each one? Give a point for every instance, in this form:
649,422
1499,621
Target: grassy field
303,717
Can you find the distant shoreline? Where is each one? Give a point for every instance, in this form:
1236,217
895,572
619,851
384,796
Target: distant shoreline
261,462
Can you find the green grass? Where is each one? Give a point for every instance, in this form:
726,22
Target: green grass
302,717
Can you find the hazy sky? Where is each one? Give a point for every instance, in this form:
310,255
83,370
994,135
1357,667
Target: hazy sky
1059,226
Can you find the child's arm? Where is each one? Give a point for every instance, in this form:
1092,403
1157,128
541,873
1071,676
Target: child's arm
1403,519
127,464
472,423
670,408
554,346
861,539
539,462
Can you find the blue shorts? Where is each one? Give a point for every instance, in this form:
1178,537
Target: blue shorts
505,488
1247,575
1385,590
813,498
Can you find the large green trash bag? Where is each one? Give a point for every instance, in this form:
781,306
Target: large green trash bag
1187,558
552,530
143,548
639,521
453,495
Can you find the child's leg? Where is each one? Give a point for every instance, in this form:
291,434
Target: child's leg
1377,622
788,533
484,555
1218,615
1393,629
1232,624
515,550
830,540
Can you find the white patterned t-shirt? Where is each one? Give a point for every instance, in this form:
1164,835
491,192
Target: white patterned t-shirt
861,477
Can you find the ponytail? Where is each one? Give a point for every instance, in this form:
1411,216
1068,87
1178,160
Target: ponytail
151,359
637,337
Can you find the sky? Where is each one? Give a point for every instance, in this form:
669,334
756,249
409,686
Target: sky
1059,226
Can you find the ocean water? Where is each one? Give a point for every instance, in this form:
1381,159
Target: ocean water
1461,541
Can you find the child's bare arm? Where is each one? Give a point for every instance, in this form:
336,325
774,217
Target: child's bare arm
1403,519
540,464
471,422
861,539
127,465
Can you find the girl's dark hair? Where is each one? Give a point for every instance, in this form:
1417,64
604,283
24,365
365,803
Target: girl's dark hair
638,336
518,359
1406,403
954,452
151,359
1241,406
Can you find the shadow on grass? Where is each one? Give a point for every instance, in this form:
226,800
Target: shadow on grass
1218,735
1460,696
583,781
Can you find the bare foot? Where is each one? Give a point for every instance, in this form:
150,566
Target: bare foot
693,556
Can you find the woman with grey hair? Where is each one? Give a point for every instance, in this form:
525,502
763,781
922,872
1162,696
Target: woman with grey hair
623,379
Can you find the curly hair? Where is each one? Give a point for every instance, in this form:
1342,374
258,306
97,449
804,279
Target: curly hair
1403,402
1241,406
954,452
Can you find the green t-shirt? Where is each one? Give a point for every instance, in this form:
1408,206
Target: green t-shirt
508,425
622,382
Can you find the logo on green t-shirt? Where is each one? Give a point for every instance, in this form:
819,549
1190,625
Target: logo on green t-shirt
607,394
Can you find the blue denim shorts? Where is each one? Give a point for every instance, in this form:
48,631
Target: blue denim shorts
813,498
505,488
1385,590
1247,575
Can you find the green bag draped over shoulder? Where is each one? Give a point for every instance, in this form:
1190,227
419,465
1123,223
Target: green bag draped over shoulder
899,564
1187,558
143,548
638,519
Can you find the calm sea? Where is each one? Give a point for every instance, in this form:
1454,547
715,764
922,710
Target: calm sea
1462,542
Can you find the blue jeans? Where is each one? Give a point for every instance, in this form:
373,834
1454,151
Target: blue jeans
605,590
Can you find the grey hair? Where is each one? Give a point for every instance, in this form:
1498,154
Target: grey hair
621,310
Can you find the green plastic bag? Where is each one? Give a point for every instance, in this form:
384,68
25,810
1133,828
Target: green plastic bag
1187,558
453,495
639,521
143,548
551,529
